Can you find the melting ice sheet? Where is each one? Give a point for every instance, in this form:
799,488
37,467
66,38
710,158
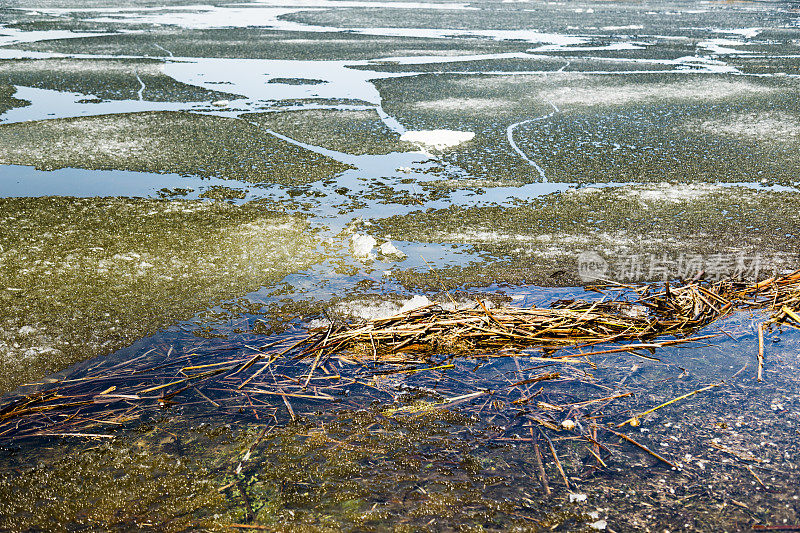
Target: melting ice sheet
437,139
49,104
20,181
251,78
12,36
256,15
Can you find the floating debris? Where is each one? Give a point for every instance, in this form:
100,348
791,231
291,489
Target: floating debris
502,331
658,310
421,362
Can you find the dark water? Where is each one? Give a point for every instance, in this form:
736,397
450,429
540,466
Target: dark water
431,444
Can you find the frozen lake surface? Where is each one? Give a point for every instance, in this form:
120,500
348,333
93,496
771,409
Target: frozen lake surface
185,186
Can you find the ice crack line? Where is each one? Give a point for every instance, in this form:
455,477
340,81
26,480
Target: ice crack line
510,135
164,49
140,94
512,127
390,122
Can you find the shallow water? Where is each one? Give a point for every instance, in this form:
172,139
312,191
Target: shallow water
377,435
647,137
19,181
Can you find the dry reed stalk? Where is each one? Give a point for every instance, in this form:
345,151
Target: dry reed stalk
537,457
637,417
322,366
671,310
644,448
760,351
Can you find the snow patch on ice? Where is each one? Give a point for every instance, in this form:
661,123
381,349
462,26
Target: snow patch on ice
318,323
391,250
12,36
620,28
722,46
37,351
747,33
459,104
634,93
666,192
585,190
776,126
437,139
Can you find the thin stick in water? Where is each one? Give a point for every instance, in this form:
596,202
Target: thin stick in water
760,351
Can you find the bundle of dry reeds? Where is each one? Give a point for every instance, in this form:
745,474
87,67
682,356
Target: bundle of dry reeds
658,310
436,328
327,364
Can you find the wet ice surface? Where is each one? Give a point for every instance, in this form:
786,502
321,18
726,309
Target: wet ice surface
17,181
47,104
464,145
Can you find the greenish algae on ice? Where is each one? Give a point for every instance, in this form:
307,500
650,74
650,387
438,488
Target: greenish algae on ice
219,192
83,277
178,142
356,471
355,132
572,18
261,43
107,79
539,241
111,486
588,128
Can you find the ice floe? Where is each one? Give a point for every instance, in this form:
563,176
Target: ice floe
378,309
362,246
575,497
390,250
